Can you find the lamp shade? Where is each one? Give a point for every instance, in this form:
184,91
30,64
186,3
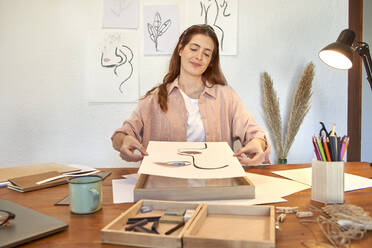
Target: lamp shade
339,54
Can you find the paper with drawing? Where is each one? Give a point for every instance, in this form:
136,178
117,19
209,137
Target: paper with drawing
191,160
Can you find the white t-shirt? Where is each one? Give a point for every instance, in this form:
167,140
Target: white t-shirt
195,127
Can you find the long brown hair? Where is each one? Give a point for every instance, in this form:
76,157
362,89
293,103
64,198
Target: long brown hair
212,74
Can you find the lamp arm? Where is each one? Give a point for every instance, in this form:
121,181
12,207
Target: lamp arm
363,50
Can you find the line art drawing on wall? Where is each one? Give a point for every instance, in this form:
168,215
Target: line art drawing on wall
157,29
121,61
213,12
120,13
112,67
119,6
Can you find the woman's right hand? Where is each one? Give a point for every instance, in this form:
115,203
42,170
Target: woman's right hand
128,148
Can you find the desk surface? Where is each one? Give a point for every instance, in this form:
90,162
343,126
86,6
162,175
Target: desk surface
84,230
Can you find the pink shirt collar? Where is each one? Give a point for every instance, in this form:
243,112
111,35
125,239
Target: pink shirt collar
209,89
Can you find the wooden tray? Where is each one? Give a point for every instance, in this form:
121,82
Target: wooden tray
232,226
114,232
178,189
210,226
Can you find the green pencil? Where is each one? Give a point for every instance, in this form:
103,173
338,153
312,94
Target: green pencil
321,149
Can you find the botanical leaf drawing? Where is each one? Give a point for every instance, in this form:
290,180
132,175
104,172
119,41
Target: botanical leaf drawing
157,29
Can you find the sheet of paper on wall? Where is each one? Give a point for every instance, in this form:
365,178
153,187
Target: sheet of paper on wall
191,160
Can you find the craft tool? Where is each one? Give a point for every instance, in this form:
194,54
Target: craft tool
171,219
333,144
154,227
138,223
287,210
145,209
323,129
179,225
149,219
188,214
175,212
142,229
304,214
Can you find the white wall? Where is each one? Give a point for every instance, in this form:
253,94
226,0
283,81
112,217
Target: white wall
44,116
366,152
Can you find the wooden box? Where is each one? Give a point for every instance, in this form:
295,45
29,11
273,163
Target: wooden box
209,226
114,232
179,189
327,182
232,226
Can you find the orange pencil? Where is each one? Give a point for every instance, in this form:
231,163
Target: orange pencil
347,143
325,144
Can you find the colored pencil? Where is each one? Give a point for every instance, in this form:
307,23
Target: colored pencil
316,150
325,144
321,149
345,149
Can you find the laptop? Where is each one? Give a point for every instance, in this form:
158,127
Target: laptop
28,225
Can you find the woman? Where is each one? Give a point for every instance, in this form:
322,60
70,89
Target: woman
193,103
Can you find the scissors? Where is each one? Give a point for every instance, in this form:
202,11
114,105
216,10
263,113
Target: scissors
323,129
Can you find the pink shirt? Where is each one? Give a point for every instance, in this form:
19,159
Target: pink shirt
224,116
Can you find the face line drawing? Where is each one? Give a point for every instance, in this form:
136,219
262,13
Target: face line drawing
123,59
191,152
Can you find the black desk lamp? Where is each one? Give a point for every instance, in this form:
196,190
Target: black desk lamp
339,54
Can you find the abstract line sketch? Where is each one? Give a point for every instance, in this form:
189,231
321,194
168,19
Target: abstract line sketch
122,57
213,12
111,63
157,29
194,151
161,28
120,13
222,16
191,160
119,6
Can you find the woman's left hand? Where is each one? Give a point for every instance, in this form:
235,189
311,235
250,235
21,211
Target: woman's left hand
255,151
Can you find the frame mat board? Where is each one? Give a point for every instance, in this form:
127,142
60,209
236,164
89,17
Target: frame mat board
28,225
27,170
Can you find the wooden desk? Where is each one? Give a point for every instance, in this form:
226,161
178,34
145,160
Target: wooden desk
84,230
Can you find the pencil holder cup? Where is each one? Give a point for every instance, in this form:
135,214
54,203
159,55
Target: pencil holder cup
85,194
327,180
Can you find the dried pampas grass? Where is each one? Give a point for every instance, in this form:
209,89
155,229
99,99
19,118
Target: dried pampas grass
272,111
300,105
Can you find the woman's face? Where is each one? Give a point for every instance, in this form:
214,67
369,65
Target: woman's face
196,55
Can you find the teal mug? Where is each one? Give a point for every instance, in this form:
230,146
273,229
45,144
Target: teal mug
85,194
